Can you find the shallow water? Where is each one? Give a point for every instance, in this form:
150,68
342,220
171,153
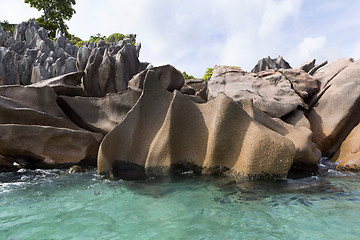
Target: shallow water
46,204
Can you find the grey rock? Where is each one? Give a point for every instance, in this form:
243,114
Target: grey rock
42,33
269,63
170,78
270,90
19,32
67,84
18,47
82,58
317,67
308,65
69,66
39,73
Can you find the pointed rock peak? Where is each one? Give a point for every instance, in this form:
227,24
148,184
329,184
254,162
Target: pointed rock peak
269,63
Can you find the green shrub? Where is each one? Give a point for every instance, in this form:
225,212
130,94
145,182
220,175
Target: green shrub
208,74
7,26
186,76
115,37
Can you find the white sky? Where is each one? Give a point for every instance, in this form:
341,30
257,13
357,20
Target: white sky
193,35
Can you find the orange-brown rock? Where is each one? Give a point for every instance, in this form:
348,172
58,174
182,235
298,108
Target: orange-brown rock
336,111
348,155
307,155
165,130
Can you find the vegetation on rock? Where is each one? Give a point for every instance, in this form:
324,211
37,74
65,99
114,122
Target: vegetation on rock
186,76
208,74
7,26
55,14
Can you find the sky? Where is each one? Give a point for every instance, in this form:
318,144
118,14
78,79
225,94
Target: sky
193,35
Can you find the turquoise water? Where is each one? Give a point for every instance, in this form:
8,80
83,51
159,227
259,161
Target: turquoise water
46,204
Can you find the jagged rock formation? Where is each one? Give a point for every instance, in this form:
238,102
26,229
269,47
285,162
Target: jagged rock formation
269,63
166,130
336,107
108,68
275,92
29,56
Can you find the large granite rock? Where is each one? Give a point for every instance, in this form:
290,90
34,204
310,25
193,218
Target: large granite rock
99,114
269,63
166,131
170,78
67,84
336,108
306,155
33,126
197,87
348,155
275,92
48,145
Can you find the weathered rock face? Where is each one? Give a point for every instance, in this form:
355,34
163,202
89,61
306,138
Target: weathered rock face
99,114
170,78
336,109
49,145
29,56
268,63
67,84
154,138
197,87
109,70
307,155
275,92
33,126
348,155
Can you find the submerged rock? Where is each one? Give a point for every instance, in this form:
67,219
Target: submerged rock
165,130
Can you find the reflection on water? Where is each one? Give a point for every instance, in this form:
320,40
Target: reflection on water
47,204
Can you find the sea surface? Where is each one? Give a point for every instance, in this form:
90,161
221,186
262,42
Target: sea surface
49,204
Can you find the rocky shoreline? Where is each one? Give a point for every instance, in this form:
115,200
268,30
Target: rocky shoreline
99,105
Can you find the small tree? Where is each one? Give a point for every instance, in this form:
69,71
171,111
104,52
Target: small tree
55,13
208,74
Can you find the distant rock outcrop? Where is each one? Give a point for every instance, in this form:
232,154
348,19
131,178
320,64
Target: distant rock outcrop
270,63
28,56
275,92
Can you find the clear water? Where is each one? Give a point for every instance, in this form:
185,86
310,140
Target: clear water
46,204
